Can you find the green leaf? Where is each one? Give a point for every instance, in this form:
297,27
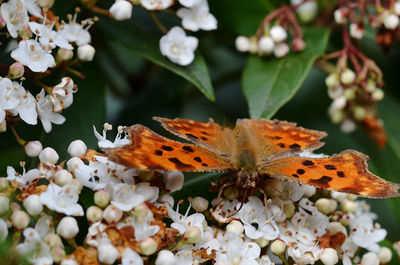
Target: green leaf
140,42
269,83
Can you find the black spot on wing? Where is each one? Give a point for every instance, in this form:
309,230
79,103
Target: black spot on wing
294,146
204,132
330,167
158,153
295,175
188,149
323,181
179,164
167,148
308,163
281,145
198,159
340,174
191,136
204,165
276,137
300,171
204,138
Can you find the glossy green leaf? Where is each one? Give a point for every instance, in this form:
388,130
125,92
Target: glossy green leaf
268,83
141,42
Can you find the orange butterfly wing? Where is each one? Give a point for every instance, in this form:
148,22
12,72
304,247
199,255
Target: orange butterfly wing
150,151
274,137
205,134
345,172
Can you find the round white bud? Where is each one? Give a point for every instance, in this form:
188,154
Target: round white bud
243,44
33,148
192,235
307,11
349,93
48,155
348,126
63,177
102,198
340,15
200,204
166,257
278,33
348,206
281,50
148,246
107,253
121,10
339,103
356,31
347,76
68,227
370,258
64,55
266,45
141,210
45,3
112,214
278,247
371,85
235,227
77,148
289,209
53,240
86,52
33,205
385,255
94,214
397,8
329,256
323,205
378,94
4,204
20,219
391,21
69,261
262,242
16,70
334,227
173,181
74,163
332,80
359,113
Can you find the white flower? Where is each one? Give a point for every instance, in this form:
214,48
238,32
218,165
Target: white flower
45,111
142,227
149,193
266,44
31,54
130,257
235,251
118,141
391,21
121,10
197,17
225,211
178,47
156,4
62,199
74,32
356,31
15,15
25,179
34,248
3,230
243,43
8,99
184,257
189,3
256,222
62,94
340,15
124,197
26,108
48,37
364,234
33,8
183,222
107,253
44,225
96,235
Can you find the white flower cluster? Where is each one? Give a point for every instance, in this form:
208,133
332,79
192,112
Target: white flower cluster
127,218
175,45
345,93
274,41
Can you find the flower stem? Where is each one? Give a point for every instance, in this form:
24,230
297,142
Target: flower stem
75,72
17,137
158,22
285,261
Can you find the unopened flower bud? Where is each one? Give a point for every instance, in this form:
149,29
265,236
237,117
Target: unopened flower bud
45,3
356,31
57,253
298,45
332,80
253,45
53,240
146,175
68,227
74,163
33,148
348,206
289,209
121,10
348,126
3,126
385,255
167,199
15,207
334,227
347,77
141,210
391,21
86,52
278,247
192,235
94,214
378,94
4,204
359,113
33,205
262,242
235,227
64,55
102,198
371,85
339,103
63,177
69,261
25,32
243,44
281,50
107,253
20,220
307,11
173,181
396,246
166,257
4,184
397,8
349,93
266,45
77,148
340,15
48,155
112,214
370,258
323,205
16,70
148,246
329,256
278,33
231,193
200,204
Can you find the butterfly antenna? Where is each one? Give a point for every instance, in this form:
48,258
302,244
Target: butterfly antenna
295,203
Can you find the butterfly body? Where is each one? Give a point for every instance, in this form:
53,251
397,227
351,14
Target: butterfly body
250,151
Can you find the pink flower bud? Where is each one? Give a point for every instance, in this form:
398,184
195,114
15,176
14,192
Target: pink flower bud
112,214
173,181
74,163
16,70
57,253
64,55
298,45
33,148
20,220
192,235
148,246
68,227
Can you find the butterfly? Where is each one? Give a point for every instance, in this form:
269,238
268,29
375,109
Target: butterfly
252,150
